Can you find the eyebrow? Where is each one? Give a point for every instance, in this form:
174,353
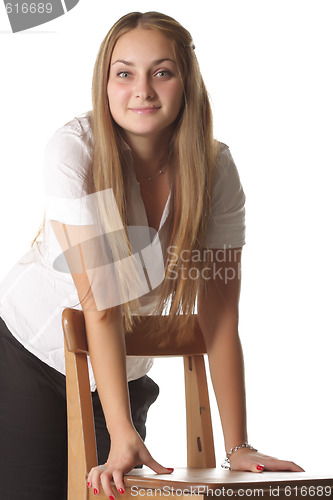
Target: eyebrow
157,61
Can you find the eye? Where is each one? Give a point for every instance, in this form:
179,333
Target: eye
163,73
123,74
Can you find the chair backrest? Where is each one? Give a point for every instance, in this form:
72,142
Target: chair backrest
82,455
138,343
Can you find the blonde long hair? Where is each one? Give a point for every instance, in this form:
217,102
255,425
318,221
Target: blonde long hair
193,151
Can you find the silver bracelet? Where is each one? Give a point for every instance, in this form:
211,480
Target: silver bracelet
226,463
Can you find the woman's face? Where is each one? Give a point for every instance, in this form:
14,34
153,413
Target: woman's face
144,89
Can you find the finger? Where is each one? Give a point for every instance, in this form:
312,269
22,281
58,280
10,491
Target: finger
94,480
88,481
158,468
283,465
250,466
256,467
118,479
106,478
89,478
294,467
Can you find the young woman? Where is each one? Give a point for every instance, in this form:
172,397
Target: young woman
145,157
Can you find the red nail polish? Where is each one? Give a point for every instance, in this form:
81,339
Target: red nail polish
170,469
95,491
88,484
111,497
260,467
121,491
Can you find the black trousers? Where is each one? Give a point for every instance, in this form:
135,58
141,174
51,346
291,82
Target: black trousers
33,423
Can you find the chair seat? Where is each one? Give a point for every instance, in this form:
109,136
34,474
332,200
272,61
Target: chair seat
217,483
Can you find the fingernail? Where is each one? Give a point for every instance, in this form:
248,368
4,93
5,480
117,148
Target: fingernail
111,497
170,469
95,491
121,491
88,484
260,467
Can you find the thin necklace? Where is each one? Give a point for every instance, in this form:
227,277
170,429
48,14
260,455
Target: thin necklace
159,172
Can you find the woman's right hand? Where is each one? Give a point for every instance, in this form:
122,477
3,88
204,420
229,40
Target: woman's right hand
127,451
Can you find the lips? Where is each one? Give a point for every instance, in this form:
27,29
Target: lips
145,109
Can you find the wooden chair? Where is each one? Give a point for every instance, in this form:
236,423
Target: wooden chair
200,478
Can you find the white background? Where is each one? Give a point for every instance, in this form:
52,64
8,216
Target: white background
267,68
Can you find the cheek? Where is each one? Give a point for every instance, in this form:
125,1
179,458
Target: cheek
117,95
176,94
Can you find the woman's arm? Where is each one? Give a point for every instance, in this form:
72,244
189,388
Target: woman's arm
105,337
218,318
106,342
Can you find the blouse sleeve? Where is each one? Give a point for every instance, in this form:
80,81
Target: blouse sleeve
67,165
226,224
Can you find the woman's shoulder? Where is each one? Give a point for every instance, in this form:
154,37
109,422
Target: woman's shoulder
225,174
72,140
76,130
220,146
226,222
79,125
222,151
223,159
68,156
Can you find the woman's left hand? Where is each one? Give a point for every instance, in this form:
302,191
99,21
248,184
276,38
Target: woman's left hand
254,461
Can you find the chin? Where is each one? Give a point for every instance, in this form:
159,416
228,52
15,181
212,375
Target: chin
145,132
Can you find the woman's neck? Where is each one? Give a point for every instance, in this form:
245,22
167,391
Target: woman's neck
149,154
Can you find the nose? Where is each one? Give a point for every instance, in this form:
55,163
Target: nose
144,89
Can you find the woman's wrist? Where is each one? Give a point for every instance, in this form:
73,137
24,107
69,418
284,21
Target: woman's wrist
234,437
121,427
239,448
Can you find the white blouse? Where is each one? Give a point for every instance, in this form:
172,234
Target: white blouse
35,292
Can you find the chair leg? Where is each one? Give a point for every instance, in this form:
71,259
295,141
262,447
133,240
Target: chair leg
200,442
82,455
